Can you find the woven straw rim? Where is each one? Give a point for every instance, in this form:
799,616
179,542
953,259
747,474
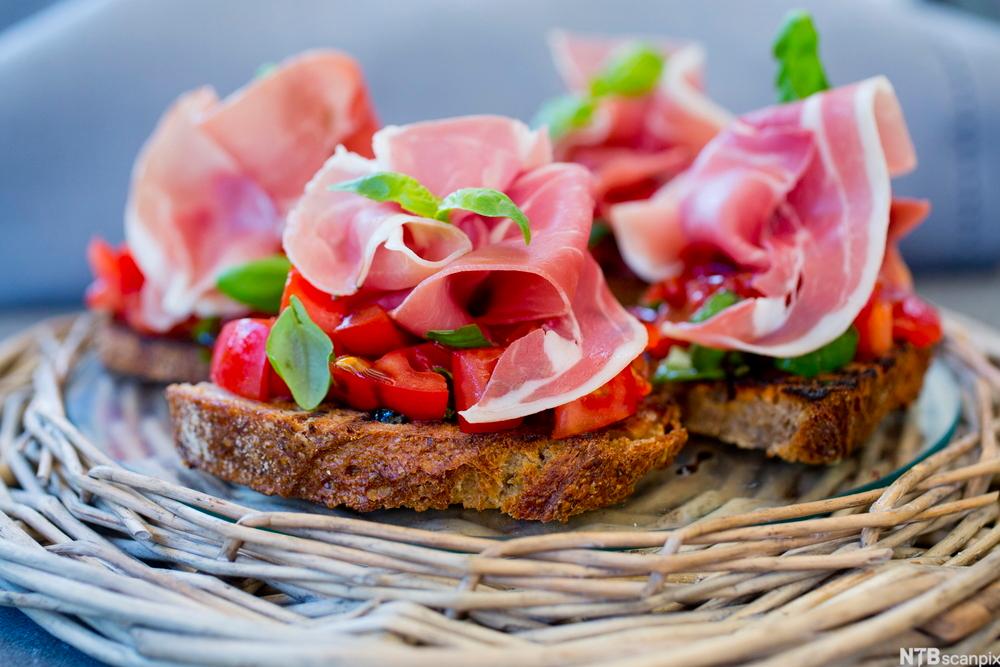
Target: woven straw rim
136,570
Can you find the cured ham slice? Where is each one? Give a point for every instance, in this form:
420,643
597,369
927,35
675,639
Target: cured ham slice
798,194
476,270
211,185
634,141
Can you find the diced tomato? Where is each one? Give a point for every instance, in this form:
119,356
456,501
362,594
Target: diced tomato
239,360
430,356
418,394
684,294
326,311
355,382
659,345
471,370
915,321
116,277
368,332
874,325
612,402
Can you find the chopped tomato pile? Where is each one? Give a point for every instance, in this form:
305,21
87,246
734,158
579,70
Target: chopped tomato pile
890,317
378,365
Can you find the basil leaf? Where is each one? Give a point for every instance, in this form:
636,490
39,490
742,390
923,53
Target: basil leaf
257,284
300,352
565,113
680,366
715,304
599,231
631,73
796,48
395,187
835,354
488,202
468,336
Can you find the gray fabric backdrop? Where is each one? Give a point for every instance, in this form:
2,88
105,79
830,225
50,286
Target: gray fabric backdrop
83,83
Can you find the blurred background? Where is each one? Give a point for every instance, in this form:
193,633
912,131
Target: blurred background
84,81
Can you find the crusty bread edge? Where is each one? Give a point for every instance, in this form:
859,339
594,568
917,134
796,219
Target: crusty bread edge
341,457
149,358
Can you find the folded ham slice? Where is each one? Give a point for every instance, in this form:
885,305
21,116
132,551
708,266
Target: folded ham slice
476,270
800,195
635,141
211,187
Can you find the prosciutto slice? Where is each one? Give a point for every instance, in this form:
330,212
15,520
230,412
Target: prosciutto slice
798,194
476,270
211,187
632,142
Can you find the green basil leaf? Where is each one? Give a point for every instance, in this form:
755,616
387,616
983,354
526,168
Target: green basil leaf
679,366
488,202
796,48
565,113
300,353
395,187
599,231
715,304
631,73
468,336
257,284
835,354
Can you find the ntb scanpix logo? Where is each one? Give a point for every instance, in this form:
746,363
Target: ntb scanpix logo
918,657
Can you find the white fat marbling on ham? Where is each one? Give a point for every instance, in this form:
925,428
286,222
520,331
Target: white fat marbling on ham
212,184
800,195
631,141
477,269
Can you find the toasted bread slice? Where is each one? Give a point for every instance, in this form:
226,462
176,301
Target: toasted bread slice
809,420
150,358
344,457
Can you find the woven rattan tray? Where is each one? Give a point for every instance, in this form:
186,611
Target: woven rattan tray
722,558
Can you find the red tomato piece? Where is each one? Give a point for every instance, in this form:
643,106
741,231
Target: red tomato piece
116,276
368,332
874,325
418,394
915,321
326,311
612,402
239,360
471,370
355,382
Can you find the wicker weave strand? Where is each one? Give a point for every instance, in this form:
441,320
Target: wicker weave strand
138,570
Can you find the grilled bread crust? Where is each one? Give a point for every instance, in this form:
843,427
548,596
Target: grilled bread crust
150,358
808,420
341,457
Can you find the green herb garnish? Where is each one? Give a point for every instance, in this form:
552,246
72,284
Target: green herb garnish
258,284
632,72
715,304
796,48
413,197
468,336
835,354
488,202
300,352
392,186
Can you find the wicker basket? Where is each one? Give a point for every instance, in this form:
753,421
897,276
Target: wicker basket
140,569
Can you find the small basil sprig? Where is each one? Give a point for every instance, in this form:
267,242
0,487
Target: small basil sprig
487,202
392,186
300,352
796,48
832,356
414,198
257,284
632,72
715,304
467,336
